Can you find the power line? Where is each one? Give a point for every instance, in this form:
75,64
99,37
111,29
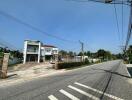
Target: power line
86,1
103,1
127,2
4,44
78,0
122,24
129,30
33,27
117,24
123,2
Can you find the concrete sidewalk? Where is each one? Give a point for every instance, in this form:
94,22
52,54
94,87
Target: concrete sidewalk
28,74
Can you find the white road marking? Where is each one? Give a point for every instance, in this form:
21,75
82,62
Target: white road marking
95,90
83,92
72,97
51,97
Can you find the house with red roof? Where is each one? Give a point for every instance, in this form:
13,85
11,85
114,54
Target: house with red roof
36,51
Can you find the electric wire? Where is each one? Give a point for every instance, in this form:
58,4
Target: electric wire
33,27
8,45
129,31
122,23
117,23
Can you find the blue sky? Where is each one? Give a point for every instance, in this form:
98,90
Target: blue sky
92,23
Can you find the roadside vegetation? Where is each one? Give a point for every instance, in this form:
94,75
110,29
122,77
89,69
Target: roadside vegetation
71,65
92,58
15,56
101,54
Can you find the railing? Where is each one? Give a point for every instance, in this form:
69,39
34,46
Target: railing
30,50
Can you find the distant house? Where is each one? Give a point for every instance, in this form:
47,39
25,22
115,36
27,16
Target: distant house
35,51
94,60
81,58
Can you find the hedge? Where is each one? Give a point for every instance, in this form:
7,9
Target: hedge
70,64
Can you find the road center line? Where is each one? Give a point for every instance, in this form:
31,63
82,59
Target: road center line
83,92
51,97
72,97
100,92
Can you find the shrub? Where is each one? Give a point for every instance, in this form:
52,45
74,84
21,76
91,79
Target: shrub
87,61
71,64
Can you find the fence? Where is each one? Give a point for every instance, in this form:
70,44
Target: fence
71,59
14,61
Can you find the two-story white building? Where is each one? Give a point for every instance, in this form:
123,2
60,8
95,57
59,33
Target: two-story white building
35,51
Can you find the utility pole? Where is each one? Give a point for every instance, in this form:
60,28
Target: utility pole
82,49
120,2
129,32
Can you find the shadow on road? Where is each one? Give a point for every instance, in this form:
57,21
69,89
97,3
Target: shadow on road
11,75
116,73
109,79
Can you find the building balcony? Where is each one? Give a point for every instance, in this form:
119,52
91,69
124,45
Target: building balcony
30,51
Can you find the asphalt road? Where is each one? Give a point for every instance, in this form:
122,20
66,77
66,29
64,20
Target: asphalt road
105,81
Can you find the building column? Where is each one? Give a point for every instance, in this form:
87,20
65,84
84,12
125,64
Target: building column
25,52
39,53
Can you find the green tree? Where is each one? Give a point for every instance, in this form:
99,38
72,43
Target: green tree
80,54
108,55
101,54
13,53
104,55
63,53
71,54
129,53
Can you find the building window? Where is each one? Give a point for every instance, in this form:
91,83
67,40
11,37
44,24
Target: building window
54,51
47,49
31,48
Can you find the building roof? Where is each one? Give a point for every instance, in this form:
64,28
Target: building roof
49,46
32,40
